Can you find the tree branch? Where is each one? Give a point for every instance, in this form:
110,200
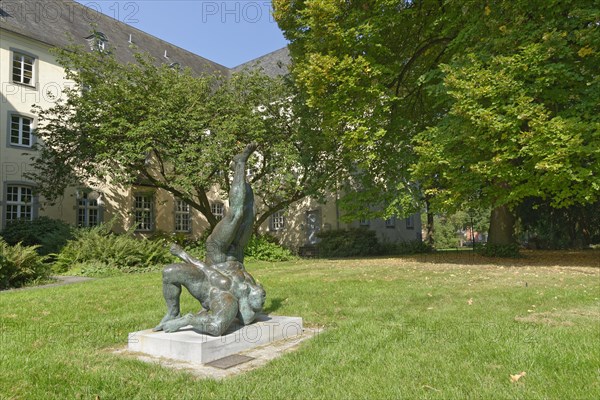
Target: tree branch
400,78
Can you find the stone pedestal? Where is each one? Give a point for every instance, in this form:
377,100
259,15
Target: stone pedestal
191,346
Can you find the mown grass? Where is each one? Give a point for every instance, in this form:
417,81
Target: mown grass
450,326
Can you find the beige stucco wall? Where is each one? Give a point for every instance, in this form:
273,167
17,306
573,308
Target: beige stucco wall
297,226
119,204
297,229
18,98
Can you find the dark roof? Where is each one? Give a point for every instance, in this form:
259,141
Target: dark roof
272,64
55,22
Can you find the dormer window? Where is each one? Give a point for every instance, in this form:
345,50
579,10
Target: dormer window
98,41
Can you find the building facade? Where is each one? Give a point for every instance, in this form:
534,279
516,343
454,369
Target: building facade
30,74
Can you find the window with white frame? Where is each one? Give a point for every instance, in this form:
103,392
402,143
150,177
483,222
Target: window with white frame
410,222
19,203
364,222
21,129
98,41
22,68
217,209
88,209
390,222
277,221
182,216
144,211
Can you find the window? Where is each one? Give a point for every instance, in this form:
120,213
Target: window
98,41
410,222
21,131
217,209
88,209
390,222
182,216
144,212
22,68
277,221
19,203
364,222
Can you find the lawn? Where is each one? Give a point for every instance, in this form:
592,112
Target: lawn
441,326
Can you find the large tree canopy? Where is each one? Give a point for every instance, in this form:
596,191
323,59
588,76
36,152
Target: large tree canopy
524,108
364,66
523,116
458,102
126,123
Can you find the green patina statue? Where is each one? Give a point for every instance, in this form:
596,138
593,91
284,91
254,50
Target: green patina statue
221,284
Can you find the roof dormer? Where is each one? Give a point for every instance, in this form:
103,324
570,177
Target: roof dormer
98,41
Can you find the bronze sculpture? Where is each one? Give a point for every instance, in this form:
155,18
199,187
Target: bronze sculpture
221,284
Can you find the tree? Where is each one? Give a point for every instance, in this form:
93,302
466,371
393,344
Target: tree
547,227
455,103
523,112
363,66
146,121
463,223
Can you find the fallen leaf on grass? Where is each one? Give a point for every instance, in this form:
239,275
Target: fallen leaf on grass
470,301
431,388
515,378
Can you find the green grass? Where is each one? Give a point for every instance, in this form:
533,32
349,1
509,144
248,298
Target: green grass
447,326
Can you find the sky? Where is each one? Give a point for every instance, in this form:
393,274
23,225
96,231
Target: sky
229,32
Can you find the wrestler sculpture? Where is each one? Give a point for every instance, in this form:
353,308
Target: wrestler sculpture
221,284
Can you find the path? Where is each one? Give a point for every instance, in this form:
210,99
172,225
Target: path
62,280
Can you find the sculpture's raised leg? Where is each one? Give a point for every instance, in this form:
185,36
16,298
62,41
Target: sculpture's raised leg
233,232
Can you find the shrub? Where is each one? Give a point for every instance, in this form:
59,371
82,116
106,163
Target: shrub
498,250
267,248
20,265
411,247
167,238
99,269
100,247
348,243
196,249
95,269
49,235
260,248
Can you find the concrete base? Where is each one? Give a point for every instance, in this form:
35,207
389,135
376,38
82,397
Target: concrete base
191,346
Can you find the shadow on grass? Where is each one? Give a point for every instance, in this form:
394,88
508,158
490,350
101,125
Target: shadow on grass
274,305
529,258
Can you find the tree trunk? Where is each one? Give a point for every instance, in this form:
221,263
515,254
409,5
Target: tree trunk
502,226
429,226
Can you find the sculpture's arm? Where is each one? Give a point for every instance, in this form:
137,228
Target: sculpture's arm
245,314
176,250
